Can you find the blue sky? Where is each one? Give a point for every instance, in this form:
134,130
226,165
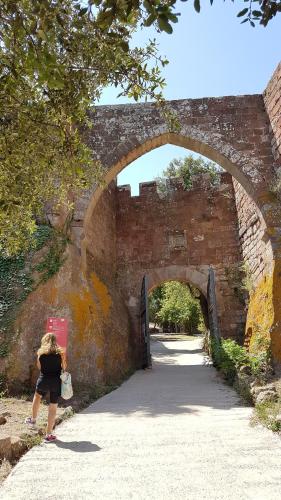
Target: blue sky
210,54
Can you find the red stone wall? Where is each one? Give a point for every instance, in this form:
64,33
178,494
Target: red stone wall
100,349
272,100
255,246
192,229
102,234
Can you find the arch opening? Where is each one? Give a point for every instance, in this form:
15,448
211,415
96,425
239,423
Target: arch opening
186,142
177,307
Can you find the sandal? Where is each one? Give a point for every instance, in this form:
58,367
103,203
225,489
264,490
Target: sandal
49,438
30,421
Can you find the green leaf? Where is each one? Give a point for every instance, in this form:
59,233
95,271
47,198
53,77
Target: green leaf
150,20
83,11
257,13
173,17
242,12
105,19
41,34
164,25
148,6
197,5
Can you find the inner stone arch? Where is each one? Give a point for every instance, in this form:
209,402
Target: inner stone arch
196,279
196,276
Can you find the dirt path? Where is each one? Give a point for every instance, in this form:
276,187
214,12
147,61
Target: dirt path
173,432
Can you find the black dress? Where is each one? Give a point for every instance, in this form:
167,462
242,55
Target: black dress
49,378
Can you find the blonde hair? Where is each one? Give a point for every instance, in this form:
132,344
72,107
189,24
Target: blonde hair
49,345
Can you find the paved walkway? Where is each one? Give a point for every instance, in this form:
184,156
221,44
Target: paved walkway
173,432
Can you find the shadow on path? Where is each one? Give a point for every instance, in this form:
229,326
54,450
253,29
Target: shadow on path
78,446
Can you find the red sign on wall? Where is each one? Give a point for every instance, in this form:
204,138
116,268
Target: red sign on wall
59,327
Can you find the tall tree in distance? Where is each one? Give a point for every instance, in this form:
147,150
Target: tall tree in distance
186,169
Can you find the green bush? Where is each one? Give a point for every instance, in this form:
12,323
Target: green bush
228,356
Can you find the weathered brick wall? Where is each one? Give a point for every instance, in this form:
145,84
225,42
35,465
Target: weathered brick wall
102,234
185,229
255,246
100,347
272,100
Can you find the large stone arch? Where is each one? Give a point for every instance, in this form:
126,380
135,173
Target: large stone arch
232,131
133,152
252,184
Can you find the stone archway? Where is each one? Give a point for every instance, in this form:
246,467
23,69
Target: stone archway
242,134
233,131
196,276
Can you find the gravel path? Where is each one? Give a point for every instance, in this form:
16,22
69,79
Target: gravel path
173,432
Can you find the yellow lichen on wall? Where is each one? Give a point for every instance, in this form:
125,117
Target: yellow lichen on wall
82,306
276,329
85,318
102,294
88,313
100,362
260,315
263,327
94,338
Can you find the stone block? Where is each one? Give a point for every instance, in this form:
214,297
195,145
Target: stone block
266,397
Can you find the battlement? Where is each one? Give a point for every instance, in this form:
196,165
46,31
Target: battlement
125,189
173,185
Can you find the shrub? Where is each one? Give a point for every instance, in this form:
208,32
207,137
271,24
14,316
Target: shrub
228,356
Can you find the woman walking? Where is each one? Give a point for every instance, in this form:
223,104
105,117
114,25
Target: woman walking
50,361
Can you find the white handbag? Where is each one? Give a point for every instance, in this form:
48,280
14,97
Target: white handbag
66,386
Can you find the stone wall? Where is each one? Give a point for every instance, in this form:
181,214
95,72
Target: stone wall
242,134
100,348
272,100
254,242
102,233
184,229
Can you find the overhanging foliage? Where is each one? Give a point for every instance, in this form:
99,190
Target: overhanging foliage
55,61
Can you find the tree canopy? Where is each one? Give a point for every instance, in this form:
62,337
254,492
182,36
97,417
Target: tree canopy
56,56
162,12
187,168
55,59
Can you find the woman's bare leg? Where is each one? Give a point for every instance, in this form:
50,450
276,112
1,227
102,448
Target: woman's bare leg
36,405
51,417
